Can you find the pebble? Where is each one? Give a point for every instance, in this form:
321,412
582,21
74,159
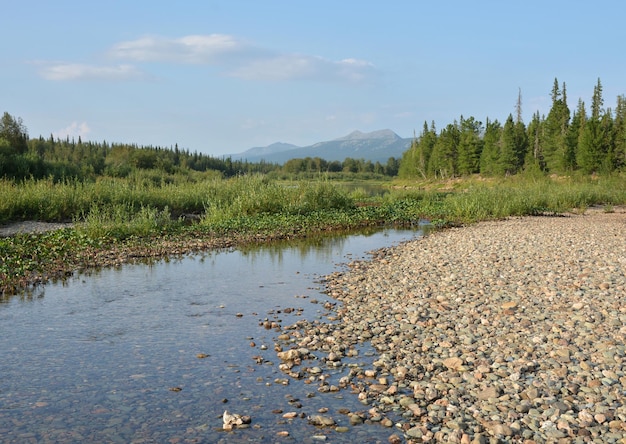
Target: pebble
508,330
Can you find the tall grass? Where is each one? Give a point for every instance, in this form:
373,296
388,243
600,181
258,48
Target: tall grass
256,195
47,200
523,197
108,202
140,205
121,221
517,196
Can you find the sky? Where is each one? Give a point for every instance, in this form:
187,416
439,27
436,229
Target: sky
222,76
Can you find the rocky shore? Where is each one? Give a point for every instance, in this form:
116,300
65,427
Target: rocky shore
507,331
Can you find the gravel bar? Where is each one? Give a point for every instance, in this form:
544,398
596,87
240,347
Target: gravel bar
504,331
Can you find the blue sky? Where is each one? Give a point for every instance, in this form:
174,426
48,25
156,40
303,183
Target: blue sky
222,76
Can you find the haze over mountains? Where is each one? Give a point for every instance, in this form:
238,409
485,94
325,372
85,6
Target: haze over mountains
375,146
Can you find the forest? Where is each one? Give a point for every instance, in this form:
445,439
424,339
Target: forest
561,142
24,158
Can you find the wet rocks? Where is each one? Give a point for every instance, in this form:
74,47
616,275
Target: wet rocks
510,331
321,421
234,420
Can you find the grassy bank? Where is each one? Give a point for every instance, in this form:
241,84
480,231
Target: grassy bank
118,221
476,199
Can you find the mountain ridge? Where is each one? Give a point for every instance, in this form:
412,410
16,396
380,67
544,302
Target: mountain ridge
377,146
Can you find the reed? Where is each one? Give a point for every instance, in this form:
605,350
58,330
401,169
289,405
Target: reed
520,197
122,221
257,195
474,200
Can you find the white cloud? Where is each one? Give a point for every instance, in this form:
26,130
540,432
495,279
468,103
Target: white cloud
303,67
78,71
233,56
241,59
200,49
73,130
280,67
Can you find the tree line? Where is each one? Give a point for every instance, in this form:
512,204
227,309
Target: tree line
561,142
22,158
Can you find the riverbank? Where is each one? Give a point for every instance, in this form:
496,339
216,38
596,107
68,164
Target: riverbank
120,221
511,329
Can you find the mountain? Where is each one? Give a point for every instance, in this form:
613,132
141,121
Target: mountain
375,146
274,148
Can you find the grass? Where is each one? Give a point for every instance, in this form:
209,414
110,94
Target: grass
256,195
475,200
120,219
47,200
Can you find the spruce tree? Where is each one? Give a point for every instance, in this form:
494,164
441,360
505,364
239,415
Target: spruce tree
427,144
508,161
574,132
521,144
470,146
620,133
534,160
594,137
556,124
443,160
608,142
597,101
489,158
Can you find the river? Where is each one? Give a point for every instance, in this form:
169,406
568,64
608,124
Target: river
156,353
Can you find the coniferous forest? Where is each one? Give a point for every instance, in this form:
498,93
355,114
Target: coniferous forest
24,158
590,141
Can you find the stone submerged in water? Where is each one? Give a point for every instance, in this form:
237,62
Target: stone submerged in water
233,420
321,420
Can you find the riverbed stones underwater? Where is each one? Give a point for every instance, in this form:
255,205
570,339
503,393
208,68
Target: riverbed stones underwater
505,331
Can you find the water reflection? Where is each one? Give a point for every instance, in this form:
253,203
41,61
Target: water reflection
97,358
321,247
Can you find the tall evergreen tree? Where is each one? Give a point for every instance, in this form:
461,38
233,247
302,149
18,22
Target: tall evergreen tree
607,129
490,156
470,146
620,133
443,160
574,131
555,131
521,143
595,136
508,162
534,160
597,102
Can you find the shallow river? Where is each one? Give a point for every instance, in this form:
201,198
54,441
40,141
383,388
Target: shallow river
119,356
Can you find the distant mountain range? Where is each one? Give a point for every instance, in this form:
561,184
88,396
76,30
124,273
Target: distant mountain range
375,146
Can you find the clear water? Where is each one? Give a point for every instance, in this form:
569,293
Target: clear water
96,359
